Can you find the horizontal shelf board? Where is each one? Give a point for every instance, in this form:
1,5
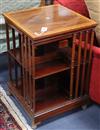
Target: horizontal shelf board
50,68
62,107
50,103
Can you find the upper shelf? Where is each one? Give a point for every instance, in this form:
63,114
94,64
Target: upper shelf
44,65
47,21
46,69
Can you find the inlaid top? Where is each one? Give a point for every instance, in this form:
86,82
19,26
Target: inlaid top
48,21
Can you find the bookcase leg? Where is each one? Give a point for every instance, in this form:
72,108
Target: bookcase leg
9,93
34,126
84,107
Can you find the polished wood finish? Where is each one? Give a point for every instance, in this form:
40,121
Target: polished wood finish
49,72
79,63
72,67
84,63
56,18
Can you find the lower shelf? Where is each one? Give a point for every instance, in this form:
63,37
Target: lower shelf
46,110
50,103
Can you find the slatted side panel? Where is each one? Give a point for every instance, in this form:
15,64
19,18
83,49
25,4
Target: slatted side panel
81,63
28,68
22,73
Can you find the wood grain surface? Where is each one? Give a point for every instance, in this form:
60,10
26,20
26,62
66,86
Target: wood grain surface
55,18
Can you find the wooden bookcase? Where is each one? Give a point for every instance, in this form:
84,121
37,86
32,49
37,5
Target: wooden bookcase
49,71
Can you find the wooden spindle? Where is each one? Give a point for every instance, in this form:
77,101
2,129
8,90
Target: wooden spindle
23,64
25,58
19,36
89,64
8,48
78,66
14,42
72,67
14,52
84,63
26,68
21,70
29,71
7,37
33,77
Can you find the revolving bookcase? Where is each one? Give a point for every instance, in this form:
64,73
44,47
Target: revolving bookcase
50,54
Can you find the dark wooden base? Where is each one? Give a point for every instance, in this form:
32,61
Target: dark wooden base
50,111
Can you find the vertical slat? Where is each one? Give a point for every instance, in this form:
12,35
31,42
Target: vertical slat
26,68
8,48
72,66
24,61
19,36
78,66
33,78
7,37
29,71
31,81
25,75
14,52
21,70
89,64
84,63
14,42
23,66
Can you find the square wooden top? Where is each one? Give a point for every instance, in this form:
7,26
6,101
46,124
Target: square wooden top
48,21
